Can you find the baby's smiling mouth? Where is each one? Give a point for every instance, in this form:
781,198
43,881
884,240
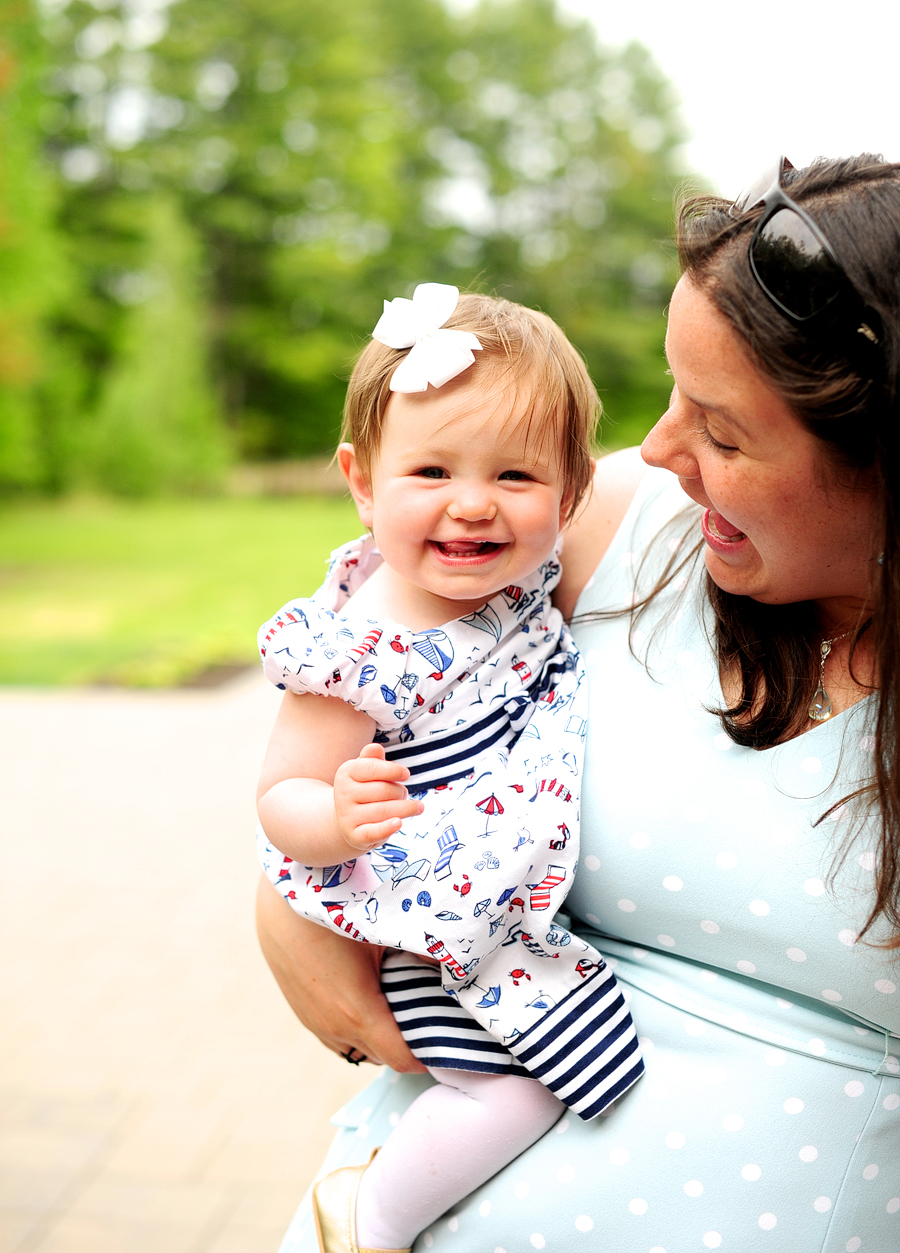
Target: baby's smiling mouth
466,547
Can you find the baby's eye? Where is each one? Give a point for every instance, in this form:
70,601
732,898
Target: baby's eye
432,472
515,475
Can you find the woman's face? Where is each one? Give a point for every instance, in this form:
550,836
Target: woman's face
780,525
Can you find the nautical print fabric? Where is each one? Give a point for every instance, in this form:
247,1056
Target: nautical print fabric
489,714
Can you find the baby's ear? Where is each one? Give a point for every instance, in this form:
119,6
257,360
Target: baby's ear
357,481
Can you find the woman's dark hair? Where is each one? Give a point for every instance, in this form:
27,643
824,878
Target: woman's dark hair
848,399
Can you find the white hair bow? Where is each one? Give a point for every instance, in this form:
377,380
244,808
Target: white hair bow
437,355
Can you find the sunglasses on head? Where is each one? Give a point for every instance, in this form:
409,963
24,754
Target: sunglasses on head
795,264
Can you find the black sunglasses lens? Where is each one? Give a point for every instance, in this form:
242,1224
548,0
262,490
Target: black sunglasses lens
792,264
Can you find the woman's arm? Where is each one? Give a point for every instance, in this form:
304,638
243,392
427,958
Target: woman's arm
325,791
615,482
331,983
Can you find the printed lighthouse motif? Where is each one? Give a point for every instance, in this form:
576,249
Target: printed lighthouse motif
488,713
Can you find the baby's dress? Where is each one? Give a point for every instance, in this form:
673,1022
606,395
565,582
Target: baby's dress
488,713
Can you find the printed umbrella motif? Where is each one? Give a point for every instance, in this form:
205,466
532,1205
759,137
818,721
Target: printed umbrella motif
490,806
491,997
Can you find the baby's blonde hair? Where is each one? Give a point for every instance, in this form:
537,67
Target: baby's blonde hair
513,339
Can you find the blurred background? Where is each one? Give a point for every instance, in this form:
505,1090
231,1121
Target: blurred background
203,204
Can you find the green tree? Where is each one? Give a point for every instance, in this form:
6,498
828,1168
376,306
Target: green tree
39,378
329,157
156,427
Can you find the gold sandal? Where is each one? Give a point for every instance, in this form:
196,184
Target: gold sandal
334,1209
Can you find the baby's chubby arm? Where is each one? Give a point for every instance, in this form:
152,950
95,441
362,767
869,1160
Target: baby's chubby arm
325,792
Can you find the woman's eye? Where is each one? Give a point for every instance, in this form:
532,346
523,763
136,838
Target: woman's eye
431,472
714,443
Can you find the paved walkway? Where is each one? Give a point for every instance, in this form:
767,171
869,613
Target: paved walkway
156,1094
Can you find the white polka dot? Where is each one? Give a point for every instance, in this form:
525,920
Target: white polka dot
619,1156
640,839
767,1221
723,743
795,954
783,1004
672,883
591,862
732,1122
714,1074
521,1190
627,907
562,1126
712,1239
394,1118
709,976
363,1130
810,765
774,1057
892,1101
808,1153
829,994
665,940
848,937
693,1187
822,1204
639,953
817,1047
596,921
484,1209
626,993
675,1140
428,1241
657,1248
592,654
870,1171
685,657
746,968
695,1026
867,743
627,559
782,835
814,887
868,860
453,1224
584,1223
760,908
740,1022
892,1066
885,986
638,1205
751,1173
710,927
854,1088
696,813
538,1240
646,1043
853,1244
893,1205
726,861
793,1105
565,1174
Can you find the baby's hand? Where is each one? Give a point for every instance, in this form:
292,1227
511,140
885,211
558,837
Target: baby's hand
370,801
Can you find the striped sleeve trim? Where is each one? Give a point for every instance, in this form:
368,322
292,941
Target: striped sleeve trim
585,1049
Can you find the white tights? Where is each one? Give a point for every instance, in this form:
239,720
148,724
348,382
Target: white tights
452,1139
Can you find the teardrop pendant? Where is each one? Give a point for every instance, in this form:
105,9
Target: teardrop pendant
821,708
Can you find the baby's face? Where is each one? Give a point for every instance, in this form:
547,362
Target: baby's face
462,502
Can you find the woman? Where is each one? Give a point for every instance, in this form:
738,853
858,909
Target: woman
741,824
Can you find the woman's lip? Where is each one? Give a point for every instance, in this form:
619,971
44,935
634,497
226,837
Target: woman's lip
713,535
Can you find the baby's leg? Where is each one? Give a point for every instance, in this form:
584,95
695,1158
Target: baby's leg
452,1139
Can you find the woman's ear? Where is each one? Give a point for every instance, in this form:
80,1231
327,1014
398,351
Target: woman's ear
358,483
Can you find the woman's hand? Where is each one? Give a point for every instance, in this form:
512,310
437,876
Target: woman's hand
331,983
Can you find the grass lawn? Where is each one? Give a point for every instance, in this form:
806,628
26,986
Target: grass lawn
153,594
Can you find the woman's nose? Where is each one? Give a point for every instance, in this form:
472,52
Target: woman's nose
668,447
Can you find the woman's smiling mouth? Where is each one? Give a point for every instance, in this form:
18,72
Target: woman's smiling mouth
718,532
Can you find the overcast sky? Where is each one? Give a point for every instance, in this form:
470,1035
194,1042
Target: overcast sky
802,77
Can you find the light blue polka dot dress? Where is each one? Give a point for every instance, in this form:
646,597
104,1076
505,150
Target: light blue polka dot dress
769,1116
